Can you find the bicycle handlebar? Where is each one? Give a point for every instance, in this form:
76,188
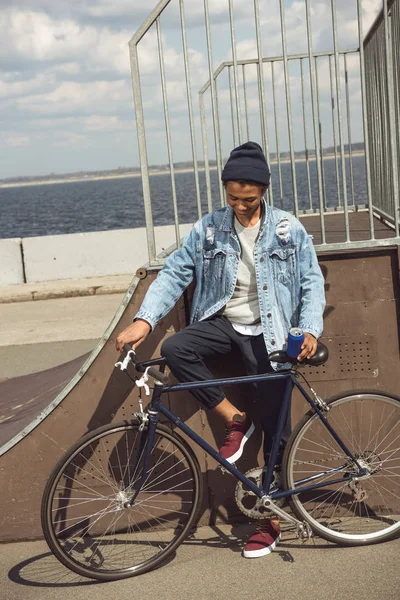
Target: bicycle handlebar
280,356
154,373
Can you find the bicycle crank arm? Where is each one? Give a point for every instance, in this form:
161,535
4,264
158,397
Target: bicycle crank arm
270,505
304,531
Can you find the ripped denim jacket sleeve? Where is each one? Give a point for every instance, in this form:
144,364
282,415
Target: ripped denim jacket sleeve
175,276
312,287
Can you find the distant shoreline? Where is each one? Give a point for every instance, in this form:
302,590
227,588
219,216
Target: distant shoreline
153,173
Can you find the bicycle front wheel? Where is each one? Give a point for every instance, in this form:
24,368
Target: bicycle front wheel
357,512
86,517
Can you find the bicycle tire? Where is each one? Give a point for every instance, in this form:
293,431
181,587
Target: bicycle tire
368,512
84,543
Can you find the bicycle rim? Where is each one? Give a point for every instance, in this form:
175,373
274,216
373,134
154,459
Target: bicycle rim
84,517
366,510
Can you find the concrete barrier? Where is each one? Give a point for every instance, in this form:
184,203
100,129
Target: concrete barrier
93,254
11,265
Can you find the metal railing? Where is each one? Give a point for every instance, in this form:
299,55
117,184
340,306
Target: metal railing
295,105
382,66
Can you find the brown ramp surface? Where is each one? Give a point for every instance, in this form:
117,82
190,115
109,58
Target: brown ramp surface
27,398
45,413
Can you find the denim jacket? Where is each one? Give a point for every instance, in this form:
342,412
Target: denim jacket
289,280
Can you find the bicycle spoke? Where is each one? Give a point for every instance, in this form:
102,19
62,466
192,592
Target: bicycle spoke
370,506
118,536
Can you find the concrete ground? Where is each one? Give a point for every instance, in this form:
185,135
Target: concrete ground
38,334
210,566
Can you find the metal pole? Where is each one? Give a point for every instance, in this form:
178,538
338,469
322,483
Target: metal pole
383,133
217,133
168,132
334,132
261,91
320,133
141,133
349,129
246,111
278,153
255,61
315,121
305,134
339,110
235,71
288,107
368,124
190,108
143,29
232,107
392,120
205,151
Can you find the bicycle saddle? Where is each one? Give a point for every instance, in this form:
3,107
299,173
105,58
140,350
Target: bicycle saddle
319,358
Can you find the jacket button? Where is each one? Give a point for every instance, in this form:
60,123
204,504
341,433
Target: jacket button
272,342
265,287
262,259
269,315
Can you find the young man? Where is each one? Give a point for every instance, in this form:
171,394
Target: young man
257,275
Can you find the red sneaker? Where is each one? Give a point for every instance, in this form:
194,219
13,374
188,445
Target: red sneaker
238,432
266,536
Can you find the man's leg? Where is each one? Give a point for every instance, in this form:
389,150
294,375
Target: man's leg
186,352
269,393
255,356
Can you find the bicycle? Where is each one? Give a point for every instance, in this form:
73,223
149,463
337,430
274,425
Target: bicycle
126,495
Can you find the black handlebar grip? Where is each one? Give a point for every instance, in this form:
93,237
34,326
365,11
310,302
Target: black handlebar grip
157,375
154,373
128,348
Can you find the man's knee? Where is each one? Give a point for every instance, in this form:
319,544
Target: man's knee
172,346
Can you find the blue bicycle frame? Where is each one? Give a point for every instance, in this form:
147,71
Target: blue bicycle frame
155,407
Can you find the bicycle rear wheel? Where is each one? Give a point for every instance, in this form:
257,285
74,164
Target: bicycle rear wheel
353,513
84,517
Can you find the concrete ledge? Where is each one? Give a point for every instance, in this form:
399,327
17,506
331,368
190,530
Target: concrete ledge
65,266
93,254
11,271
46,290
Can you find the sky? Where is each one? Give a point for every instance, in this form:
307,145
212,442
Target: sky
66,101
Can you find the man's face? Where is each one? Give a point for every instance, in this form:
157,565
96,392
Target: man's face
244,199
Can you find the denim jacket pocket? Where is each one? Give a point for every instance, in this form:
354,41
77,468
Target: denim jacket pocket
283,262
283,267
213,263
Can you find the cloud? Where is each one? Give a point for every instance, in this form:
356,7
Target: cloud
14,140
11,87
65,77
74,97
31,38
102,123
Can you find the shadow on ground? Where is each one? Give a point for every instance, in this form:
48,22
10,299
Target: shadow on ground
45,571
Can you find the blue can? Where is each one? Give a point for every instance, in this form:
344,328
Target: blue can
295,342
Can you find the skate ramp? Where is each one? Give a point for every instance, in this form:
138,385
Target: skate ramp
44,414
25,399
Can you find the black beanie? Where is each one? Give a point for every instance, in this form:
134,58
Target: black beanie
247,162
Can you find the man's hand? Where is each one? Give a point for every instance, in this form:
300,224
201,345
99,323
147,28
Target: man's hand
135,334
309,347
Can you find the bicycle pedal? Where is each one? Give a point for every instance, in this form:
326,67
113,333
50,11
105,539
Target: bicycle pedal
304,532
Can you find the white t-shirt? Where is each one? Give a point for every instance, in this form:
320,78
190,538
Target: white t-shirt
243,309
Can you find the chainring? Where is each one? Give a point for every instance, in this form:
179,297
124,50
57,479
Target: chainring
250,504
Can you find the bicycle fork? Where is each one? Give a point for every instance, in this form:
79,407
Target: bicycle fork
143,454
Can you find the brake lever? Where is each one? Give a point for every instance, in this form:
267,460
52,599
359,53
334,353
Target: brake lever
123,365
